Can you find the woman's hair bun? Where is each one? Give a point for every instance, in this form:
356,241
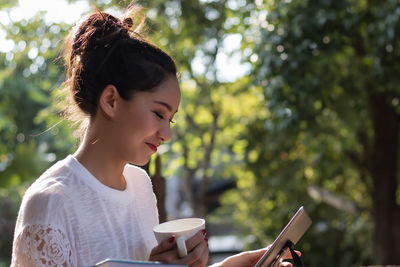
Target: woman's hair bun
99,30
107,50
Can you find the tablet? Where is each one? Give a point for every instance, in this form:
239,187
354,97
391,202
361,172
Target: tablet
293,231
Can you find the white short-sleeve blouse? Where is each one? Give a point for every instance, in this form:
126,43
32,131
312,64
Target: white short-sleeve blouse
69,218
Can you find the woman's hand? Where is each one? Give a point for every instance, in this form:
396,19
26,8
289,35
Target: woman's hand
196,246
250,258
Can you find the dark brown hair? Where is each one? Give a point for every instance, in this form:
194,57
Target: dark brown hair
107,50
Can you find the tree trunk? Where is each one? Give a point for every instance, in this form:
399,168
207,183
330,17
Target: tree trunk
159,185
383,168
202,203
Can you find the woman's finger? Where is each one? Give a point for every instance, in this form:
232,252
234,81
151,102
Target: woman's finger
285,264
166,257
288,255
165,245
195,240
198,256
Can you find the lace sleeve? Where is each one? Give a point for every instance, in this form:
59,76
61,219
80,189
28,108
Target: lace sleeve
42,245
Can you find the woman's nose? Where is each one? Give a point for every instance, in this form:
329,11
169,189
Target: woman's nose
165,132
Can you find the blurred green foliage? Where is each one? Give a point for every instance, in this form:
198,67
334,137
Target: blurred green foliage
331,131
29,73
290,132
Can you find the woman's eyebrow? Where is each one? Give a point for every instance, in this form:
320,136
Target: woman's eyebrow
164,104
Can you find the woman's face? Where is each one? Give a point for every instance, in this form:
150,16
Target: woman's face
143,123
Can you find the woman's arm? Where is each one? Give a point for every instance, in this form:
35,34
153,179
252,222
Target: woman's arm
42,245
249,259
167,252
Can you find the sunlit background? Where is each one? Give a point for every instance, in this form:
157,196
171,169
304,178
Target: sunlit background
228,62
284,104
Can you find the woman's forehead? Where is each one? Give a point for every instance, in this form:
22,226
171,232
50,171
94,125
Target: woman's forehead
166,94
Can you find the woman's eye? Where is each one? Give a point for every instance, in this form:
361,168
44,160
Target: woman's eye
159,115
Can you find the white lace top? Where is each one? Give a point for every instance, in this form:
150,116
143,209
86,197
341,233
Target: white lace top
68,218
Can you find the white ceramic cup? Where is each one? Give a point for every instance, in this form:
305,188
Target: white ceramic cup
183,229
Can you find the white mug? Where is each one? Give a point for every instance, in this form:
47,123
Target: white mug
183,229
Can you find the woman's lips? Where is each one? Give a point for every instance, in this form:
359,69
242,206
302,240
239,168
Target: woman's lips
152,147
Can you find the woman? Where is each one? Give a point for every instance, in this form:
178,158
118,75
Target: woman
93,204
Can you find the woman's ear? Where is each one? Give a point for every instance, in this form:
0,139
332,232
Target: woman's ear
108,101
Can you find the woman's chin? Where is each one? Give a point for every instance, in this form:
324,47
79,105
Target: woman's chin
140,162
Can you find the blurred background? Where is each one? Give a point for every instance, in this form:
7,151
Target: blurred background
284,104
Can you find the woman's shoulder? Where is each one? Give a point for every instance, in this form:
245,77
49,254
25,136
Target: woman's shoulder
54,179
135,172
51,191
138,177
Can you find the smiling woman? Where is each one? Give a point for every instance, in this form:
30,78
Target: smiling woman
135,128
128,91
96,203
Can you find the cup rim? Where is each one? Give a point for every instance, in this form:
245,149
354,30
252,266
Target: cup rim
200,222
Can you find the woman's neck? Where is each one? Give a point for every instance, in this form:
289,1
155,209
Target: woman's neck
98,157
